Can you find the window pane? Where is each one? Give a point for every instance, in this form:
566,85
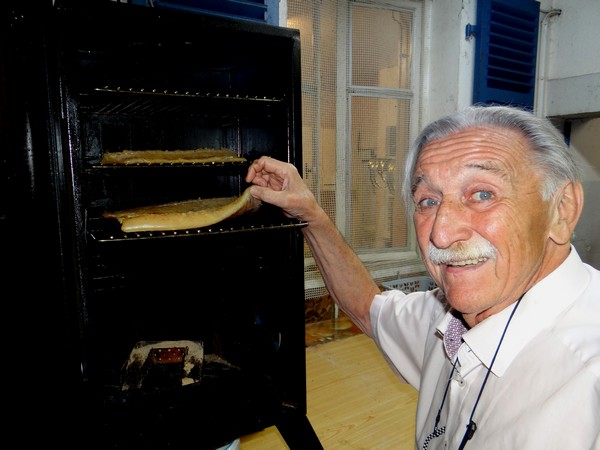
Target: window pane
381,47
356,98
380,128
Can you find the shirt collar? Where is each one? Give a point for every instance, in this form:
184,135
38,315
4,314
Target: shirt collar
538,309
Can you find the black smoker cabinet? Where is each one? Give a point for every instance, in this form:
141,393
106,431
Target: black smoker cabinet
181,339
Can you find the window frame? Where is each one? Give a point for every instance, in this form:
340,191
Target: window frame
407,260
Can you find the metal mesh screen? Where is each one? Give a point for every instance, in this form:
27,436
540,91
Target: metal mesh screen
357,92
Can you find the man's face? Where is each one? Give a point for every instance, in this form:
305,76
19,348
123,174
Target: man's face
479,207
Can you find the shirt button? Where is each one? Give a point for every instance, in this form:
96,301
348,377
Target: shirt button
459,379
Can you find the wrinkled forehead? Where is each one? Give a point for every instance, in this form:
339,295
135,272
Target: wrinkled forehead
482,154
493,146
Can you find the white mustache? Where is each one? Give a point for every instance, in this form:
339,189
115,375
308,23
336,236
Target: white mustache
462,253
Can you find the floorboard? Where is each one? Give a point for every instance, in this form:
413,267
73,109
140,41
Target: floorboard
354,400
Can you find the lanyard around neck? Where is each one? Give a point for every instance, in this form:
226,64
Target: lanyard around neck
471,426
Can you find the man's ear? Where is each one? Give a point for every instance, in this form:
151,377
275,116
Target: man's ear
567,205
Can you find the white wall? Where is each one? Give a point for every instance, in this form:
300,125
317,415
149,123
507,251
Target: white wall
571,76
449,79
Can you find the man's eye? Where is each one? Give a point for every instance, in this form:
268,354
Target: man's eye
427,203
481,196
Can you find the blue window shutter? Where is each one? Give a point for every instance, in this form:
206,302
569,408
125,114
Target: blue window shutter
506,40
263,11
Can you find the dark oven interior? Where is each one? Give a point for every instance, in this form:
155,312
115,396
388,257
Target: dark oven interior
182,337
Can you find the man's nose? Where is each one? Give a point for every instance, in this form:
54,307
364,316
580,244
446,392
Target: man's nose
452,223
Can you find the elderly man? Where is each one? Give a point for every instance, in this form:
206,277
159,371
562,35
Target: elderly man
496,195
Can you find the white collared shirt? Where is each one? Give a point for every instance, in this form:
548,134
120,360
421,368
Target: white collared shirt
543,391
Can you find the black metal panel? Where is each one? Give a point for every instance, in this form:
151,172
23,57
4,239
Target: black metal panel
83,80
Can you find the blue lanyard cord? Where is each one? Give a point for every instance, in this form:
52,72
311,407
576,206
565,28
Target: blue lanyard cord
472,426
439,413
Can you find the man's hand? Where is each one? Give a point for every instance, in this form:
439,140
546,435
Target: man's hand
280,184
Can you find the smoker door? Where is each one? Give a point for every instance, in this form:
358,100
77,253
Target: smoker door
116,77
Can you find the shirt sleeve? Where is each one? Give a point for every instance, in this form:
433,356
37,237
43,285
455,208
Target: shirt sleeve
402,325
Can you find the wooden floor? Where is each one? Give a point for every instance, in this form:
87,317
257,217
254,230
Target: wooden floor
354,400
